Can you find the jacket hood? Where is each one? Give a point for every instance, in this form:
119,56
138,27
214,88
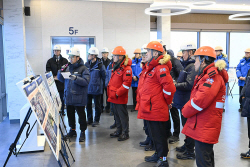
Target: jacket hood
127,61
160,60
77,64
171,52
220,64
224,55
217,68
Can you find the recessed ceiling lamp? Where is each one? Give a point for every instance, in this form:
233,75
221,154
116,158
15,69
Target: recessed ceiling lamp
185,9
204,3
236,16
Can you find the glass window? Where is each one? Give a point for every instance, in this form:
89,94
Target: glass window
64,50
180,37
214,39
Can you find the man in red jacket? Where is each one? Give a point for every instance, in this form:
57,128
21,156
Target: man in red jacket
205,107
155,97
118,88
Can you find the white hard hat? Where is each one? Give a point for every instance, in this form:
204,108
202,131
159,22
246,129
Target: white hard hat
93,51
143,50
105,50
188,46
161,41
74,52
57,47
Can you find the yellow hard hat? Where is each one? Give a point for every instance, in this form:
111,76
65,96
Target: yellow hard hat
138,50
218,48
179,54
247,50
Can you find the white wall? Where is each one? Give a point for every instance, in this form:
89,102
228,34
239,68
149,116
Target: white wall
112,24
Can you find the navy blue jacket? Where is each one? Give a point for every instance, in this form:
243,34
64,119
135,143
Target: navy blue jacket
223,57
108,73
242,69
246,101
76,91
97,77
184,84
136,70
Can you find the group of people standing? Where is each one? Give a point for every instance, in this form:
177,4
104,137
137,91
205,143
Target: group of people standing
194,83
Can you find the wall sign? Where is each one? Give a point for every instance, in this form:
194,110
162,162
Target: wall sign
72,31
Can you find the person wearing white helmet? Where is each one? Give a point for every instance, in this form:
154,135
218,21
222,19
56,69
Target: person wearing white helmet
96,84
106,62
184,85
76,89
54,64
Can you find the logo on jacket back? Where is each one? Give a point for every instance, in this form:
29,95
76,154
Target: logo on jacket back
162,69
128,71
210,80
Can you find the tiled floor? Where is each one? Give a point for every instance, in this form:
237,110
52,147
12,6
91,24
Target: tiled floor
100,150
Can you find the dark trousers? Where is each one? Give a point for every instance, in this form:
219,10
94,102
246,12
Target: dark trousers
61,93
102,102
204,154
146,126
157,130
248,124
112,110
134,89
81,117
121,117
240,99
98,108
189,142
176,120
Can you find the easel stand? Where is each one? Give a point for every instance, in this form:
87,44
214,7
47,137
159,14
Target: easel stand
13,148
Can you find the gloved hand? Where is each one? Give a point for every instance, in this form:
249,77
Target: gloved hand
72,77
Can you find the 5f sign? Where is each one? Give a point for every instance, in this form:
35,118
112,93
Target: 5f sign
72,31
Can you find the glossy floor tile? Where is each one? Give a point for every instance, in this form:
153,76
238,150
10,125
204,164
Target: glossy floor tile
100,150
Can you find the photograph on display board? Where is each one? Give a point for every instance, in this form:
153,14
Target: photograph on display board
44,116
53,90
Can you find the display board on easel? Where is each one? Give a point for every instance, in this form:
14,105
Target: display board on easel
44,115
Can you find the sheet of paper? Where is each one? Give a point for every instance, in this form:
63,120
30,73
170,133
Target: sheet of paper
66,75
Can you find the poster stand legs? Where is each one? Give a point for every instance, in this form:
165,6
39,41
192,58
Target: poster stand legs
12,148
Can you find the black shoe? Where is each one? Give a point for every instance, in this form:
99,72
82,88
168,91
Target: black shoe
149,147
72,133
152,158
143,128
144,143
173,139
111,114
162,163
82,137
186,155
113,126
240,109
181,148
245,155
94,124
89,122
107,110
123,137
62,112
115,134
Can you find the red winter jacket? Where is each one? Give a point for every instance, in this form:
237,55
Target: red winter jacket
157,91
120,82
205,107
140,84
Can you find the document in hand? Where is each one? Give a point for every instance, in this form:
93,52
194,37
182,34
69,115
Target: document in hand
66,75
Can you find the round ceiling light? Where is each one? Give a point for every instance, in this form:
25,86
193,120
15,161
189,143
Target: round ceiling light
236,16
204,3
185,9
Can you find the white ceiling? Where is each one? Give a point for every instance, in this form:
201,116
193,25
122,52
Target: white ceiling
227,2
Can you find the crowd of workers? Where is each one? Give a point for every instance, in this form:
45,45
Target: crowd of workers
192,82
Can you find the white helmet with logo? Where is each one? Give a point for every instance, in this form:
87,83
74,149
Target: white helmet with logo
161,41
143,50
105,50
74,52
188,46
93,51
57,47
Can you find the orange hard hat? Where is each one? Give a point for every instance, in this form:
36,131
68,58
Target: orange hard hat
119,50
138,50
205,51
247,50
155,45
218,48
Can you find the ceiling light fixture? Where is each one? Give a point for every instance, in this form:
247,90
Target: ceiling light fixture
185,9
204,3
236,16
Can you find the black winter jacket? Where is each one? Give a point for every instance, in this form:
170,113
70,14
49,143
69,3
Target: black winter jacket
246,93
176,65
184,84
54,66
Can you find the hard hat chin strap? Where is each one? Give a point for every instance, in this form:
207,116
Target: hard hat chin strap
201,60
